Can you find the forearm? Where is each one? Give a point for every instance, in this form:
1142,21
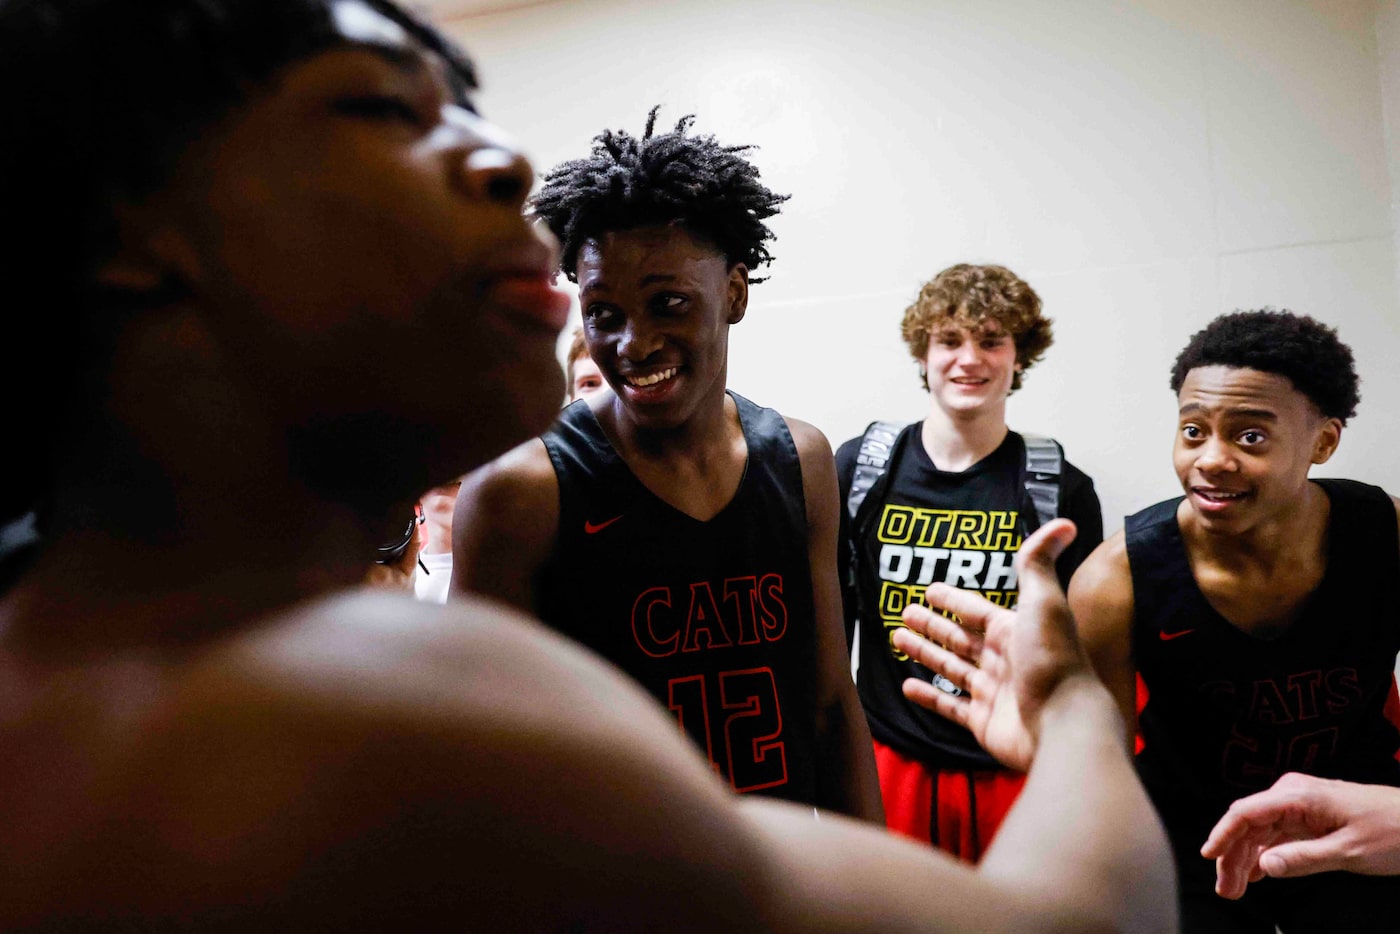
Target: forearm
1083,827
847,781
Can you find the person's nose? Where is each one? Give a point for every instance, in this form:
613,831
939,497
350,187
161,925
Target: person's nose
639,340
1216,456
490,168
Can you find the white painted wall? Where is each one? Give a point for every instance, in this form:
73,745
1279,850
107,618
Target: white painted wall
1145,164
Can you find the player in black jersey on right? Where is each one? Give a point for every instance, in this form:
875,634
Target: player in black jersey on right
1258,612
677,529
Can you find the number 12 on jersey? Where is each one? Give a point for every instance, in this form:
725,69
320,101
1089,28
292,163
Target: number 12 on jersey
750,751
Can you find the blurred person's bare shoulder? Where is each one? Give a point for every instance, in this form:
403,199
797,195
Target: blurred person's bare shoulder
356,757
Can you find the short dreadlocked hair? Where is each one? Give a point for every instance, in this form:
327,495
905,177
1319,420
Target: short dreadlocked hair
1298,347
710,190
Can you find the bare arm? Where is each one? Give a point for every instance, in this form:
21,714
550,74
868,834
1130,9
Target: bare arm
847,779
372,761
504,526
1031,699
1101,597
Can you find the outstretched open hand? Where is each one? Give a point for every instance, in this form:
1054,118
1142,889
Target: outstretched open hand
1007,662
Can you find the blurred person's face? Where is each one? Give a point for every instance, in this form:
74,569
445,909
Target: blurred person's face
351,224
588,379
438,505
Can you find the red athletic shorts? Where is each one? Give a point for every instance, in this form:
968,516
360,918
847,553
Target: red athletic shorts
970,805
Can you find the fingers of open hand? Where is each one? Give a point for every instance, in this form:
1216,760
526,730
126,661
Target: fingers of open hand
950,664
950,634
975,612
1039,552
945,705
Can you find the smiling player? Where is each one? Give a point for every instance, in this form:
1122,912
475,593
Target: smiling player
681,531
950,505
1257,610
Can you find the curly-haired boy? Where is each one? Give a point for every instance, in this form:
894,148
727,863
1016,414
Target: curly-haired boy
949,499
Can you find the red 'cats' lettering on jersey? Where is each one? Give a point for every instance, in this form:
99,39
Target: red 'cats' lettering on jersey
736,611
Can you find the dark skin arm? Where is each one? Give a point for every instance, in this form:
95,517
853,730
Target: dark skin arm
1081,506
420,773
505,523
1101,596
845,469
849,783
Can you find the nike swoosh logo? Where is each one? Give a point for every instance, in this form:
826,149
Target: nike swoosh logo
1169,636
590,529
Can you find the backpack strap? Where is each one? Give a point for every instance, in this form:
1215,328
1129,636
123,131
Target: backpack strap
872,461
1045,460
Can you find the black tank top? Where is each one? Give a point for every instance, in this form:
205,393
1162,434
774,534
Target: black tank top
714,618
1228,713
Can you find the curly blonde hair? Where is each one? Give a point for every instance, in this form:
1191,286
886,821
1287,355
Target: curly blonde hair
975,297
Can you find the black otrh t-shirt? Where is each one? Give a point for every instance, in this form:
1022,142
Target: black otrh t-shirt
963,528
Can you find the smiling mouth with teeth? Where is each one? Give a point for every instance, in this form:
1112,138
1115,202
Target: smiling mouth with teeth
1218,496
652,379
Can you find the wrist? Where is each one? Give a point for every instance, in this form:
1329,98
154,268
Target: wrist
1080,704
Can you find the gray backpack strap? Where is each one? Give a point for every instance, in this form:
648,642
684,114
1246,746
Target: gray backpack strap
872,461
1044,461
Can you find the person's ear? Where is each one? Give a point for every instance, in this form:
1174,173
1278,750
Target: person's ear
1325,442
738,293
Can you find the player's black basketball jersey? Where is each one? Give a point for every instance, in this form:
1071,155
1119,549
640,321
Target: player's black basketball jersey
1228,713
714,618
931,525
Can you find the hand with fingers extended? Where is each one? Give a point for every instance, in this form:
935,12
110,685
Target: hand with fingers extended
1008,663
1304,825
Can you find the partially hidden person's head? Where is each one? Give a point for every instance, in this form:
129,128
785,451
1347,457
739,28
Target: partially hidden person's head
438,506
1262,396
291,201
983,306
662,233
581,374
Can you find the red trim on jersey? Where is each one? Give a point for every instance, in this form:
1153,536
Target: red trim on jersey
1141,702
1391,711
971,805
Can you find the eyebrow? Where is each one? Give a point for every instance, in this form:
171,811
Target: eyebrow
1263,415
601,285
409,57
414,59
